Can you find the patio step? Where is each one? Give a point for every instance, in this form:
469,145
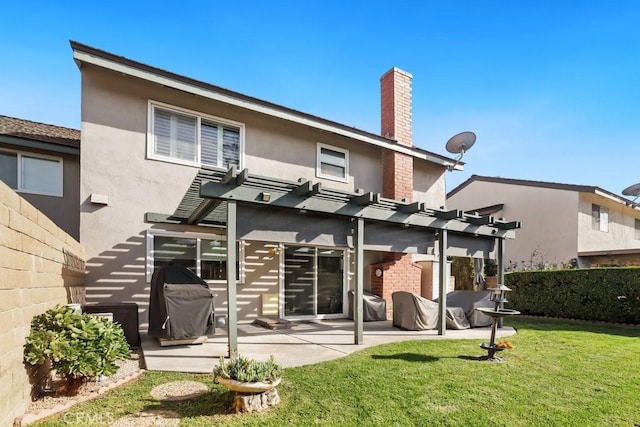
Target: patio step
273,323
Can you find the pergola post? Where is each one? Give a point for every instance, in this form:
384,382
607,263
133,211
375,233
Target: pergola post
442,283
358,327
232,303
500,266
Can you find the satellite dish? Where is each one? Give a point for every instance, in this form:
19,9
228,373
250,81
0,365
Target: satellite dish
460,144
632,190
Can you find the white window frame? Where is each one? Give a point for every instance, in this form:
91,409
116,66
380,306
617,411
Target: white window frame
199,117
319,162
20,154
150,234
601,223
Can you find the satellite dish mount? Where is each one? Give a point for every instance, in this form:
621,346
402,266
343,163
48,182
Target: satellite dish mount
460,144
632,190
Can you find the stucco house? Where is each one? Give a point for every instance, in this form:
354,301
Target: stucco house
306,209
41,162
563,224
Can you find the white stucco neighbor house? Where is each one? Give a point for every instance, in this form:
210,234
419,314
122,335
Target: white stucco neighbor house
306,209
563,224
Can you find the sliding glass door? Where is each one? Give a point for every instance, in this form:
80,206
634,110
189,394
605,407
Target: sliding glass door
313,281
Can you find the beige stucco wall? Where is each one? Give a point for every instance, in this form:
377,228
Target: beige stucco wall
621,233
549,219
40,266
429,184
114,164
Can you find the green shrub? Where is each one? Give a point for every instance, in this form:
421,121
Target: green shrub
604,294
78,345
241,368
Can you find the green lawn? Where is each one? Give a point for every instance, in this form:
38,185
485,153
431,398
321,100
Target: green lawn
558,374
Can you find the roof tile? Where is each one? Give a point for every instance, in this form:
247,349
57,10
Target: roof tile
36,131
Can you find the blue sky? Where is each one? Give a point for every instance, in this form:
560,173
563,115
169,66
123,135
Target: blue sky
550,87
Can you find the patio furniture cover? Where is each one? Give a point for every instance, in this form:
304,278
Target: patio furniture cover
413,312
416,313
374,308
180,305
469,301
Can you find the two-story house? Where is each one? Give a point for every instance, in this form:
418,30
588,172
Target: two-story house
151,142
563,224
42,163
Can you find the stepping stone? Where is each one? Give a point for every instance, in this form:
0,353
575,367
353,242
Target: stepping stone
151,418
179,390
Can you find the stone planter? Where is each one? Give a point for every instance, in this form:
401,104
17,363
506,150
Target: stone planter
250,397
243,387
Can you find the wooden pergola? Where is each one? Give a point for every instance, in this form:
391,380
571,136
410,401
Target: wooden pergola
264,208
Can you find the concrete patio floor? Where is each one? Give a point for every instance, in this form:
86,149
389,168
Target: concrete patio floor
303,344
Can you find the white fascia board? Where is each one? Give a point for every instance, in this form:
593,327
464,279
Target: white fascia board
270,111
616,199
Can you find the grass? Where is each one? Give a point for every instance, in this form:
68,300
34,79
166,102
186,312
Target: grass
559,373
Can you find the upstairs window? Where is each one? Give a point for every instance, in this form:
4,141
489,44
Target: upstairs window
599,218
29,173
186,137
332,163
637,227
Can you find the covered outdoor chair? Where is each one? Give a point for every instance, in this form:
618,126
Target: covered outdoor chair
468,301
180,305
374,308
416,313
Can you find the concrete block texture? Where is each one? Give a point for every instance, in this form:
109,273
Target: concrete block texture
40,266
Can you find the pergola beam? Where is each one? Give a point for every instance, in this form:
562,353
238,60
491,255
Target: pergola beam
334,203
204,208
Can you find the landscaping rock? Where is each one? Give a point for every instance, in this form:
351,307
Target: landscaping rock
250,402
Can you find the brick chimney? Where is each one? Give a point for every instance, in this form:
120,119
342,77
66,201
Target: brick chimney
400,273
395,102
395,99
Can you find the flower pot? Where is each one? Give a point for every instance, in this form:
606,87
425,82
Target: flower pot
245,387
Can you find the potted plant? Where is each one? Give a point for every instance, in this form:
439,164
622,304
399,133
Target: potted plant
490,273
253,383
78,346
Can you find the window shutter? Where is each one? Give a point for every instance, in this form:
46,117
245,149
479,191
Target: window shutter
162,132
185,138
209,144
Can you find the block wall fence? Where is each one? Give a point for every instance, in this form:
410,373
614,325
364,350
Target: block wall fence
40,266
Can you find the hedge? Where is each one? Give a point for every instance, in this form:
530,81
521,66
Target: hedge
605,294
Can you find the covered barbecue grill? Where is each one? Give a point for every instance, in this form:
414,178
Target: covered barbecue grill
181,304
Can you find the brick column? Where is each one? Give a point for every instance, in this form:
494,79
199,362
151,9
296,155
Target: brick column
400,273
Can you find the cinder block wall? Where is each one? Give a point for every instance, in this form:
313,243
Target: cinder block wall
40,266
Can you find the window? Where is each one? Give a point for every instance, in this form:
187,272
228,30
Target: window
29,173
187,137
332,163
599,218
206,257
637,227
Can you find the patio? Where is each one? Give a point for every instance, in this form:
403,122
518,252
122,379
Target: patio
304,344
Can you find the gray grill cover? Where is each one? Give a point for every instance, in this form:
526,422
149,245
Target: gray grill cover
180,305
374,308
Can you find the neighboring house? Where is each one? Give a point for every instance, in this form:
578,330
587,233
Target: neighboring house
42,163
151,140
562,224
